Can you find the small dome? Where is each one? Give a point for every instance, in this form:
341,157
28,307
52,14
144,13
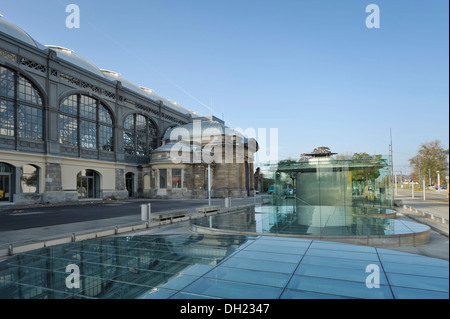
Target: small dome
17,33
199,129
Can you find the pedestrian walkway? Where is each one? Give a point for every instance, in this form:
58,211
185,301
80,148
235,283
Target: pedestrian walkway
432,211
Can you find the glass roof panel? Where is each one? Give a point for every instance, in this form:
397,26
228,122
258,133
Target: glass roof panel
195,266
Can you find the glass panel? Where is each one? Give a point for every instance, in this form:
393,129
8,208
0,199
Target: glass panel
179,282
339,287
106,138
409,293
417,270
141,143
418,282
141,123
29,179
176,178
128,124
68,130
5,185
6,82
185,295
103,115
27,92
270,266
235,290
296,294
152,131
260,255
69,105
88,107
6,118
342,254
30,122
88,135
359,275
158,294
5,168
163,178
128,142
249,276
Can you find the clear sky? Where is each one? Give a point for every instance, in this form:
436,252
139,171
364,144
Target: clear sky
310,68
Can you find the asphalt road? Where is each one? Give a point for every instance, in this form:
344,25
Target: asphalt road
31,217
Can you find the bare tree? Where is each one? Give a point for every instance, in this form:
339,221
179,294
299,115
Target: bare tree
431,157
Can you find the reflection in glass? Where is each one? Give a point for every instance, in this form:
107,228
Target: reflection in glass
6,82
113,268
30,122
163,178
27,92
68,130
312,221
176,178
140,135
6,118
91,118
27,115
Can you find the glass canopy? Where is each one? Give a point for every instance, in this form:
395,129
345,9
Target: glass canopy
219,266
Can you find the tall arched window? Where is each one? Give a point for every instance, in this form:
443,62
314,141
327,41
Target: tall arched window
86,122
140,135
20,106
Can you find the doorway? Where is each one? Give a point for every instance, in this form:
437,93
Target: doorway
129,181
6,178
88,184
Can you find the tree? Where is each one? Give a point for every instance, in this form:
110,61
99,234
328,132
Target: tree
431,157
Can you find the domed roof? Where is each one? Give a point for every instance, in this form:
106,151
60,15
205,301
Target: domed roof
17,33
199,129
148,93
67,55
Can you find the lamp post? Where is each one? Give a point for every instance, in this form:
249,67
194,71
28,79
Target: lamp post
438,182
423,186
209,184
209,160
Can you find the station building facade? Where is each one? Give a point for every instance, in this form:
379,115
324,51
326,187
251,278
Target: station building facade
70,131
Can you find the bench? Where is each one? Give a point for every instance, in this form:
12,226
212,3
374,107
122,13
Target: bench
207,209
172,214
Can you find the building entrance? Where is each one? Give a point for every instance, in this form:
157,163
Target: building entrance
6,178
129,179
5,187
88,184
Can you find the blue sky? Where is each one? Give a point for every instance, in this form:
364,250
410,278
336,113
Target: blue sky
311,69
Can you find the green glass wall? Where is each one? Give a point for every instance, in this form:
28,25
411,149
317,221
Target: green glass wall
324,181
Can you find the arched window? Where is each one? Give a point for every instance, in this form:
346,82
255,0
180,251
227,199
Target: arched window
140,135
20,106
85,122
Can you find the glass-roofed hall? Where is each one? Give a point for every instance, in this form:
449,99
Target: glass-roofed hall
71,131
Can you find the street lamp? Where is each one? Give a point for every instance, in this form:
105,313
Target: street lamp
209,160
439,182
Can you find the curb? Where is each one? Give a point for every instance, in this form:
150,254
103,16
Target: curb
424,218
